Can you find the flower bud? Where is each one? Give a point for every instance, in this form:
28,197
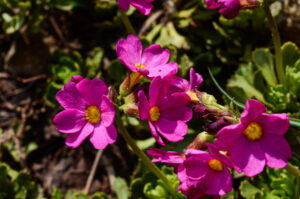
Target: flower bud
249,4
130,107
214,127
200,141
130,81
112,94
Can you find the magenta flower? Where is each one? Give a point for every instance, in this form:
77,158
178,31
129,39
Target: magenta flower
88,111
230,8
211,170
144,6
151,63
165,114
179,84
176,160
257,140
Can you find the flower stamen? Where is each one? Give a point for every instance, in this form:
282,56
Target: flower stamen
215,165
138,65
154,114
253,131
92,114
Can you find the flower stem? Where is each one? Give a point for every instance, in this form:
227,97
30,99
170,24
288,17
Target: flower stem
293,170
127,22
277,44
142,155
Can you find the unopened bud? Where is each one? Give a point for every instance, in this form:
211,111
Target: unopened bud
129,82
249,4
112,94
130,106
200,141
214,127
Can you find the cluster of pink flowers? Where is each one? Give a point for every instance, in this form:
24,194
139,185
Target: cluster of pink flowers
248,146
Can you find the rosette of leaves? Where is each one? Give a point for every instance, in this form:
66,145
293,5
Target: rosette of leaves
66,65
257,79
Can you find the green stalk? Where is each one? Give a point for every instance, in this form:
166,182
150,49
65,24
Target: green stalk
152,167
277,44
127,22
293,170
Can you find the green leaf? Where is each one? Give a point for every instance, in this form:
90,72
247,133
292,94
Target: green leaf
57,194
249,191
185,65
120,188
93,62
263,59
290,54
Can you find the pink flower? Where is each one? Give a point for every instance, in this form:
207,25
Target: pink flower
230,8
176,160
211,170
165,114
257,140
144,6
151,63
179,84
88,111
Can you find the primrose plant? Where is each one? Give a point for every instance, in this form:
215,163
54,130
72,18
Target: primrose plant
233,143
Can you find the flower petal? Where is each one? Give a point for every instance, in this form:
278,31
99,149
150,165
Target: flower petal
248,157
171,130
253,109
92,90
178,84
75,139
69,121
228,136
107,111
143,6
195,79
155,134
102,136
69,97
230,8
154,56
196,166
212,4
217,183
143,106
158,90
175,107
129,51
274,123
124,4
165,156
163,70
276,150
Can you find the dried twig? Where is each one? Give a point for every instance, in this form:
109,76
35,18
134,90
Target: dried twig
30,79
150,21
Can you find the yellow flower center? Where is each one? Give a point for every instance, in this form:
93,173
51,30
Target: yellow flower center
215,165
92,114
138,65
253,131
192,95
154,114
